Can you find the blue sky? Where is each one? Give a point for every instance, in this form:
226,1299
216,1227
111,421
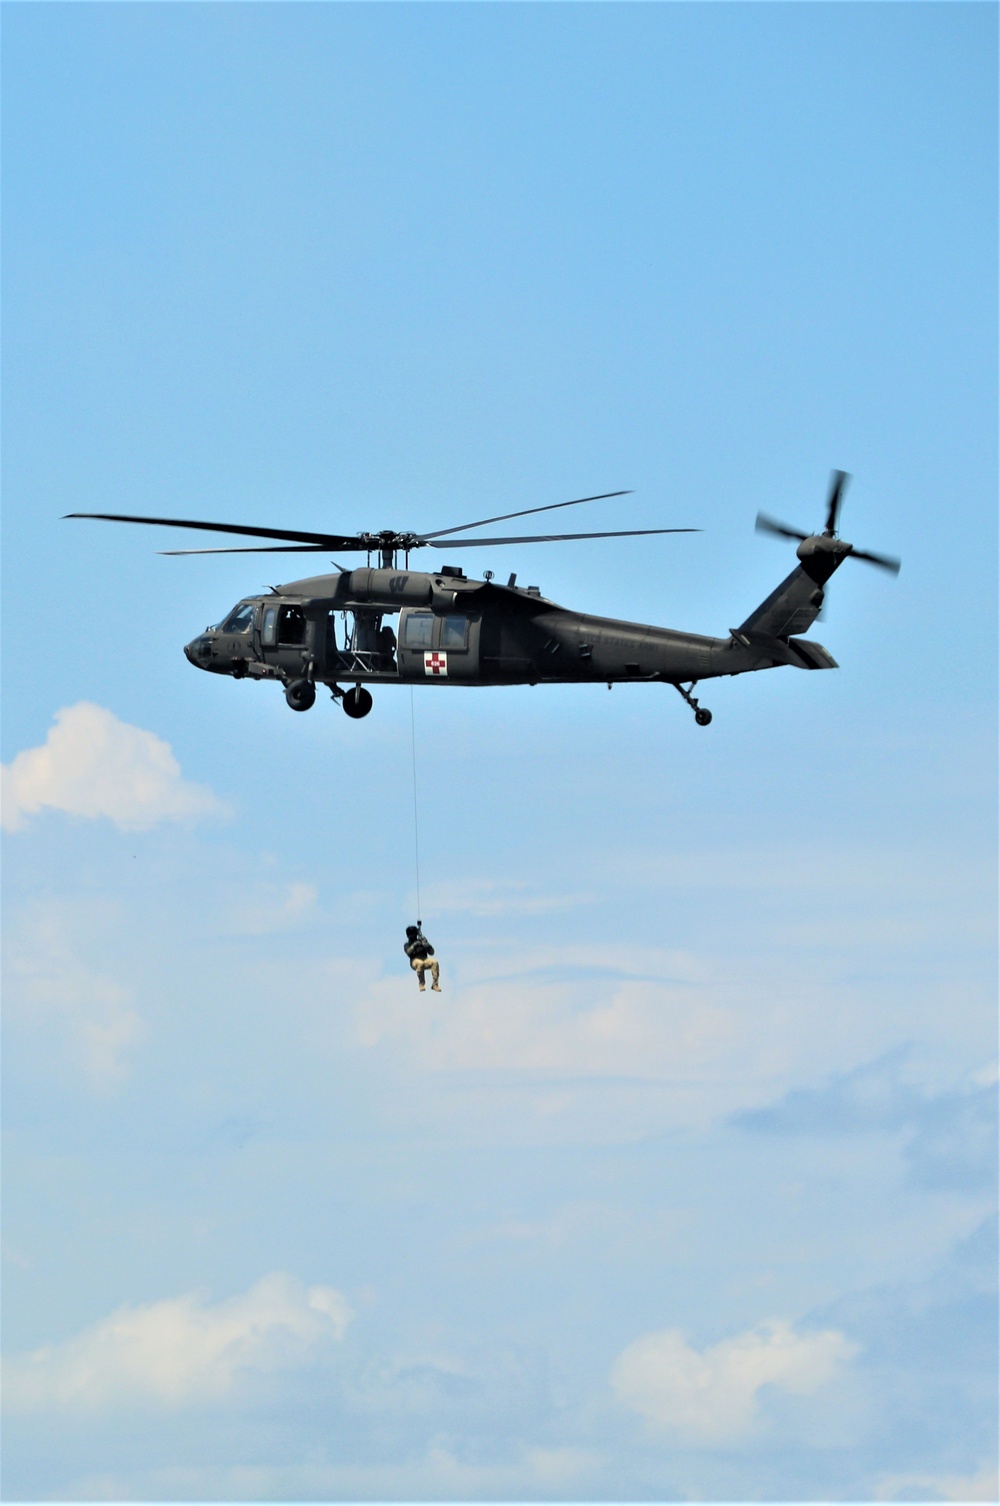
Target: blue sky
684,1187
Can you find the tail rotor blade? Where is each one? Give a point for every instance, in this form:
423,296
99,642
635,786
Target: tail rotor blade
765,524
838,485
884,561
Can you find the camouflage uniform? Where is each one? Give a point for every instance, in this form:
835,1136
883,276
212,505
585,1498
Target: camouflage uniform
421,955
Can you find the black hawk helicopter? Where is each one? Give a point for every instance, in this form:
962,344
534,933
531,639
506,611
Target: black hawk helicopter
456,631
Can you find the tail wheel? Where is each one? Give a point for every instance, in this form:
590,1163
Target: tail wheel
300,694
703,716
357,702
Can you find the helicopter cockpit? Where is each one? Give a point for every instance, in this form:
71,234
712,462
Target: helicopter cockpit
225,646
240,619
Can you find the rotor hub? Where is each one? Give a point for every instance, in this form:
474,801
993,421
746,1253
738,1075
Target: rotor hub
823,543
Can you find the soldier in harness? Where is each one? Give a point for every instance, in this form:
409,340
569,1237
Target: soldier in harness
421,955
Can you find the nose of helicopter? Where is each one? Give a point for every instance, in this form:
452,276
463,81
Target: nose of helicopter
199,651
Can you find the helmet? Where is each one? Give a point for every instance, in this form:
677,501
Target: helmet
412,931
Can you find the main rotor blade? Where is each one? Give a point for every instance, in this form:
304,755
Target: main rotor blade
257,549
884,561
553,538
838,485
324,540
502,517
765,524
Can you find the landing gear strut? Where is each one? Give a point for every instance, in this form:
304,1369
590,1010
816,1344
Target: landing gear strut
357,702
702,715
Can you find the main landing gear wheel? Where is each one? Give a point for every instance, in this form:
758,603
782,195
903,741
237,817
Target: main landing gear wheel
357,702
702,715
300,694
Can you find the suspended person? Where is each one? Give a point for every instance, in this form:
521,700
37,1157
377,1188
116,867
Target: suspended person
421,955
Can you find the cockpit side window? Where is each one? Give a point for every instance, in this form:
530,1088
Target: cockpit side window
240,619
455,633
417,629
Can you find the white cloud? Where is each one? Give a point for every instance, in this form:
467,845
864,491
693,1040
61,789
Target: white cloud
521,1020
489,898
983,1486
179,1351
712,1033
711,1396
570,1016
436,1475
269,908
47,980
91,765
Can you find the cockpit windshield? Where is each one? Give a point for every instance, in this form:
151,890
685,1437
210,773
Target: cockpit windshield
239,619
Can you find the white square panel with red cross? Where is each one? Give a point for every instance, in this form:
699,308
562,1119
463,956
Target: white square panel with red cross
436,664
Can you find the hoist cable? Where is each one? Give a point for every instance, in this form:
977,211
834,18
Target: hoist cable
416,824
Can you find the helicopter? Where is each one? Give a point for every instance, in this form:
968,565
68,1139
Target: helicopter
333,630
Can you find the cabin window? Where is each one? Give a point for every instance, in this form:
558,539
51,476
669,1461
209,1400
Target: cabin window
417,630
269,629
239,619
455,633
291,626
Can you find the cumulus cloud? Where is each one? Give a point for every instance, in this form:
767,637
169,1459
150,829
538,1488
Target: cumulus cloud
588,1012
179,1351
105,1024
438,1474
562,1019
48,981
711,1396
91,765
950,1135
269,908
489,898
983,1486
724,1032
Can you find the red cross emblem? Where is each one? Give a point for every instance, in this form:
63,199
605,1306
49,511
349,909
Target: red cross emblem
436,664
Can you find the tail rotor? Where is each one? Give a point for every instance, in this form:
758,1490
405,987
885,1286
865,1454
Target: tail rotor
838,485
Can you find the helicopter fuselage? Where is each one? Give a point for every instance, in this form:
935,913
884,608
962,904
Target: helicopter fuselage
329,629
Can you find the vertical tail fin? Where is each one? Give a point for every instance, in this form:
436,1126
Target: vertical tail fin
792,608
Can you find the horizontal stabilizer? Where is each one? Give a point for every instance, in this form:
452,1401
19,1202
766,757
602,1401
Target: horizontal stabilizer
812,655
798,652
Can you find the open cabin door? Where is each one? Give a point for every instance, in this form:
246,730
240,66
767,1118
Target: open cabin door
368,648
283,638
